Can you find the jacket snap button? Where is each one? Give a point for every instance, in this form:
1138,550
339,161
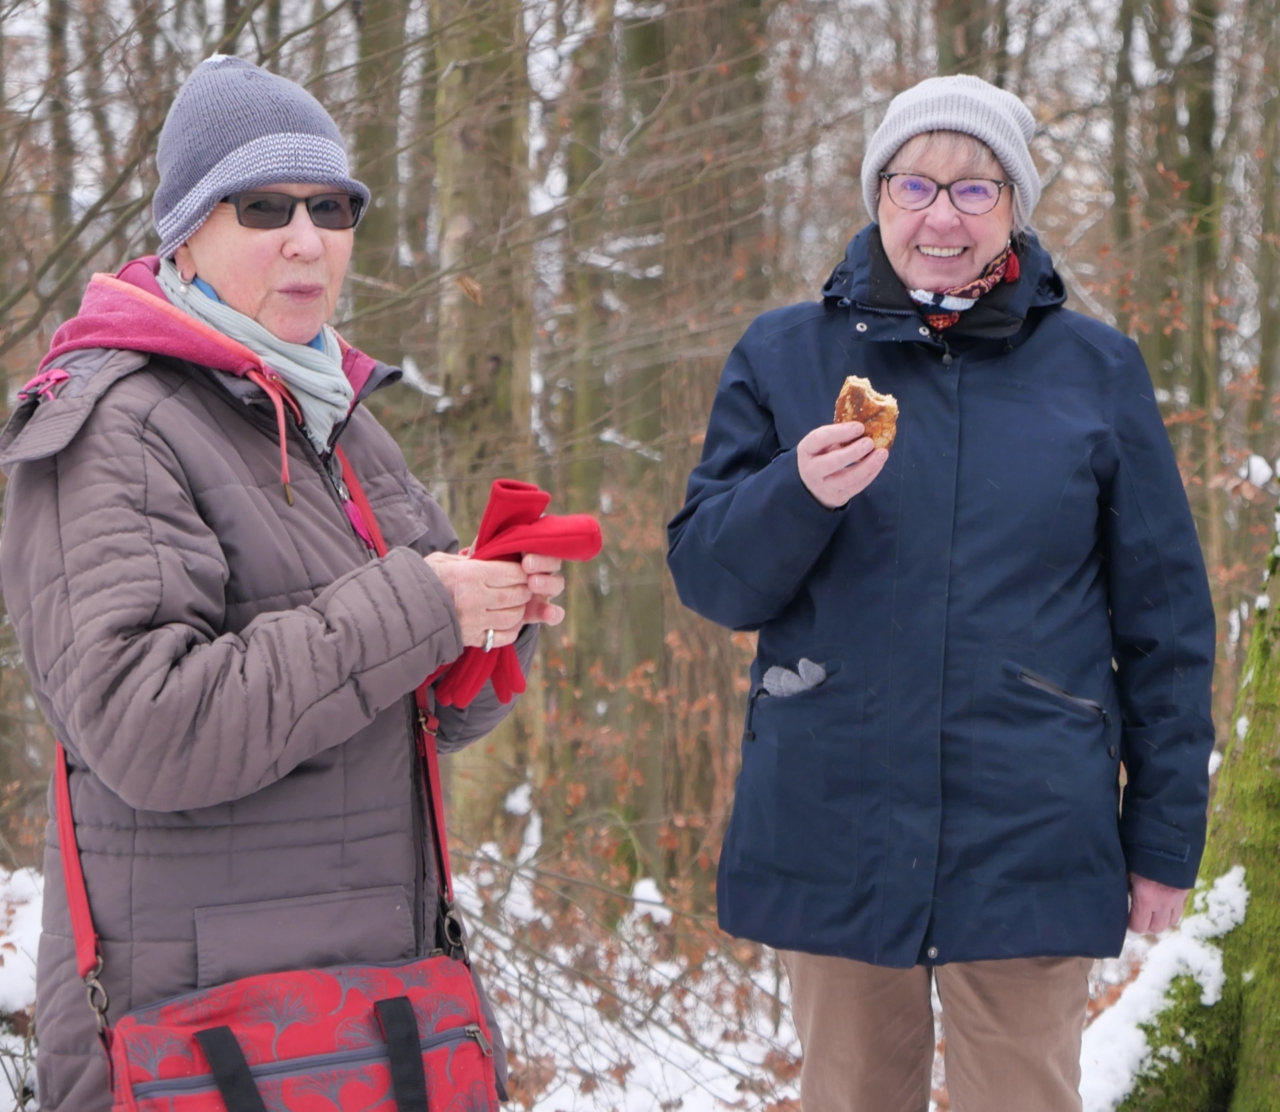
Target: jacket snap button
924,330
932,951
1112,751
861,326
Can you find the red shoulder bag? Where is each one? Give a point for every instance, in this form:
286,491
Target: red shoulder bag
409,1036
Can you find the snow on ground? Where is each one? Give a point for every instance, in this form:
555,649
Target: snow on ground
607,1016
21,894
20,899
604,1015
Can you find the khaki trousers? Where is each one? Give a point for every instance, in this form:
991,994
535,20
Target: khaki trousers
1013,1031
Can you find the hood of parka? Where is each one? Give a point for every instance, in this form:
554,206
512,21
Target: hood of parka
124,319
866,279
129,311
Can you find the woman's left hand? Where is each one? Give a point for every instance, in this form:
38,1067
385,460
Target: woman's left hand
1153,906
545,581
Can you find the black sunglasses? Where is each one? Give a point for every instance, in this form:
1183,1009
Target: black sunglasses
262,209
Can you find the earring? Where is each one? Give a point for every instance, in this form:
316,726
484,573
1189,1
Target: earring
186,282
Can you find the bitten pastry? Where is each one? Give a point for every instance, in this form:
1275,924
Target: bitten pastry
859,401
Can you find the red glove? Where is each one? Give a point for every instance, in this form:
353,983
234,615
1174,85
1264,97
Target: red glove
513,525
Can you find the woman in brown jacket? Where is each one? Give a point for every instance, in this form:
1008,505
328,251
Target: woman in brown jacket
228,664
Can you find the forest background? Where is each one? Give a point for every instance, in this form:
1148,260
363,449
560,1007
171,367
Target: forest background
579,206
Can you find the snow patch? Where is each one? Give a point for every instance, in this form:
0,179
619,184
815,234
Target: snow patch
647,897
21,894
519,800
1215,761
1257,471
1115,1051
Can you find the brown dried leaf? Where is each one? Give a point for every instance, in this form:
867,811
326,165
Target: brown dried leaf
471,288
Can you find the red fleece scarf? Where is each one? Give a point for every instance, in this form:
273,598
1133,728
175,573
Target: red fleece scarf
514,524
1003,268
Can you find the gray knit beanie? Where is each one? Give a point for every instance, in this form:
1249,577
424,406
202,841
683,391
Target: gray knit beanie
969,105
234,127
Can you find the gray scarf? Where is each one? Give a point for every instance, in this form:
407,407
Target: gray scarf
314,377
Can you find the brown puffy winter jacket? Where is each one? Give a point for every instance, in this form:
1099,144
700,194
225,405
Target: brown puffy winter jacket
232,678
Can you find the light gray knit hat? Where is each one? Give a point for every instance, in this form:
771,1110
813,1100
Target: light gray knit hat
234,127
966,104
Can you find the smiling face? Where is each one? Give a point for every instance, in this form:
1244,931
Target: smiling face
940,247
287,279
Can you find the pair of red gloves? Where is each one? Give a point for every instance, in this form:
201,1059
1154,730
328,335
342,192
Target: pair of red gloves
514,523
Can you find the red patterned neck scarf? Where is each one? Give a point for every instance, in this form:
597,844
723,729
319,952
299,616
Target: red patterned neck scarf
1003,268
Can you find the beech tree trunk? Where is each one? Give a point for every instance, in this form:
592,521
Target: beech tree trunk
714,284
1226,1055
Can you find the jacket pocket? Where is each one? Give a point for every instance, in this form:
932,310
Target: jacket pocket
1042,793
332,928
795,812
1042,683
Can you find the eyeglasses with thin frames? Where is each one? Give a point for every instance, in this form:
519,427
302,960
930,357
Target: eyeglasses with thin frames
266,209
972,196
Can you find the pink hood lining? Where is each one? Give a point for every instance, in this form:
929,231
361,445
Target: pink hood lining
128,311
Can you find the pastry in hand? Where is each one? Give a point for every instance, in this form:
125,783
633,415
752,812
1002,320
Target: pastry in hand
859,401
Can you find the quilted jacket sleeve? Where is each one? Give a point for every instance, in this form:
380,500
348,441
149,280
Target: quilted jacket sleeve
749,531
116,587
1163,635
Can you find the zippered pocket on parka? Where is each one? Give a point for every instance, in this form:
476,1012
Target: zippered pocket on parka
1043,683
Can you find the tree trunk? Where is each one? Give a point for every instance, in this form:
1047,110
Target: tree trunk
637,483
1226,1057
62,148
271,35
481,201
376,149
231,12
317,51
478,203
1261,405
1000,53
714,285
960,26
1121,109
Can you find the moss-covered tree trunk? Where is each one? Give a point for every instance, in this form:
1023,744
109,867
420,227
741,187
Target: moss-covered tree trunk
1228,1054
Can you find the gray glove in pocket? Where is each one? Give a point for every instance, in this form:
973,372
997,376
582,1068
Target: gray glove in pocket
782,682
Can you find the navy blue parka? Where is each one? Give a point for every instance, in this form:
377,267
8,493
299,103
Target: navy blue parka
1016,605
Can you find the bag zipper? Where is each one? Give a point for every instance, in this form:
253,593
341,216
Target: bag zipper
180,1086
1031,679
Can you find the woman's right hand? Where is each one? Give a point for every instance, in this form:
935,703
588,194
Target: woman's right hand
487,595
838,461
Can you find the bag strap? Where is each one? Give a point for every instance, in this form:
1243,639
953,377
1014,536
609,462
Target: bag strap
427,726
88,947
230,1070
404,1048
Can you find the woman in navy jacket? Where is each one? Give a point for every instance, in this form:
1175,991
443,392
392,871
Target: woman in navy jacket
1003,608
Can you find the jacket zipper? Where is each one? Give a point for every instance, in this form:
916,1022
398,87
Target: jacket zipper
758,693
339,1058
884,311
339,488
1031,679
342,496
